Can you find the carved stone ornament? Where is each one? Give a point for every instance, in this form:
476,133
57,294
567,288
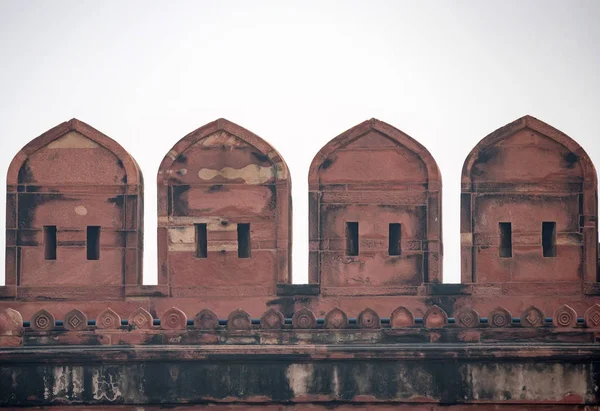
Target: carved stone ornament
75,320
239,320
532,317
565,316
467,317
108,320
206,320
592,316
11,322
500,318
173,319
369,319
336,319
401,317
304,319
42,321
140,319
435,317
272,319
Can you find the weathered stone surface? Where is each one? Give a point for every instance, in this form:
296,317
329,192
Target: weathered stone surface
261,342
368,319
239,320
61,183
528,174
230,374
108,319
304,319
42,321
75,320
272,319
336,319
206,320
224,211
173,319
374,176
140,319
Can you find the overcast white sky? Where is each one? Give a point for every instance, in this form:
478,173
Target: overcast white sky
297,74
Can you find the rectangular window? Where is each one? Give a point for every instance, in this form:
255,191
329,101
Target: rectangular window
505,240
201,241
395,239
352,238
50,242
243,235
549,238
93,242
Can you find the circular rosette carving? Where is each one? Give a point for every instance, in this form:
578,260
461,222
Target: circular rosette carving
565,316
369,319
467,317
500,317
42,321
592,316
532,317
336,319
75,320
304,319
173,319
11,322
108,320
401,317
435,317
239,320
272,319
141,319
206,320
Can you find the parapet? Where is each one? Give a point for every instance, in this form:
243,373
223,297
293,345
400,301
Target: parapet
225,328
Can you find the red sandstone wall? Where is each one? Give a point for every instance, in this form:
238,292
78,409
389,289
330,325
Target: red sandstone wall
375,175
73,177
527,173
222,175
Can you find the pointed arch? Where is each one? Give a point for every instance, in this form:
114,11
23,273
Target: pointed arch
132,171
281,170
401,139
531,123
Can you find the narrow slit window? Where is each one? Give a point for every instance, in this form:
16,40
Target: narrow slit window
352,238
395,238
201,241
93,242
243,235
549,238
50,242
505,240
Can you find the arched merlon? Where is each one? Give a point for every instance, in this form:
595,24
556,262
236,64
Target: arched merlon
219,177
381,180
65,185
521,166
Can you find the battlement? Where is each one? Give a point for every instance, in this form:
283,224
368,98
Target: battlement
529,295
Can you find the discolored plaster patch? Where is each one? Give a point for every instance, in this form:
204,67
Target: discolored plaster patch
72,140
251,174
